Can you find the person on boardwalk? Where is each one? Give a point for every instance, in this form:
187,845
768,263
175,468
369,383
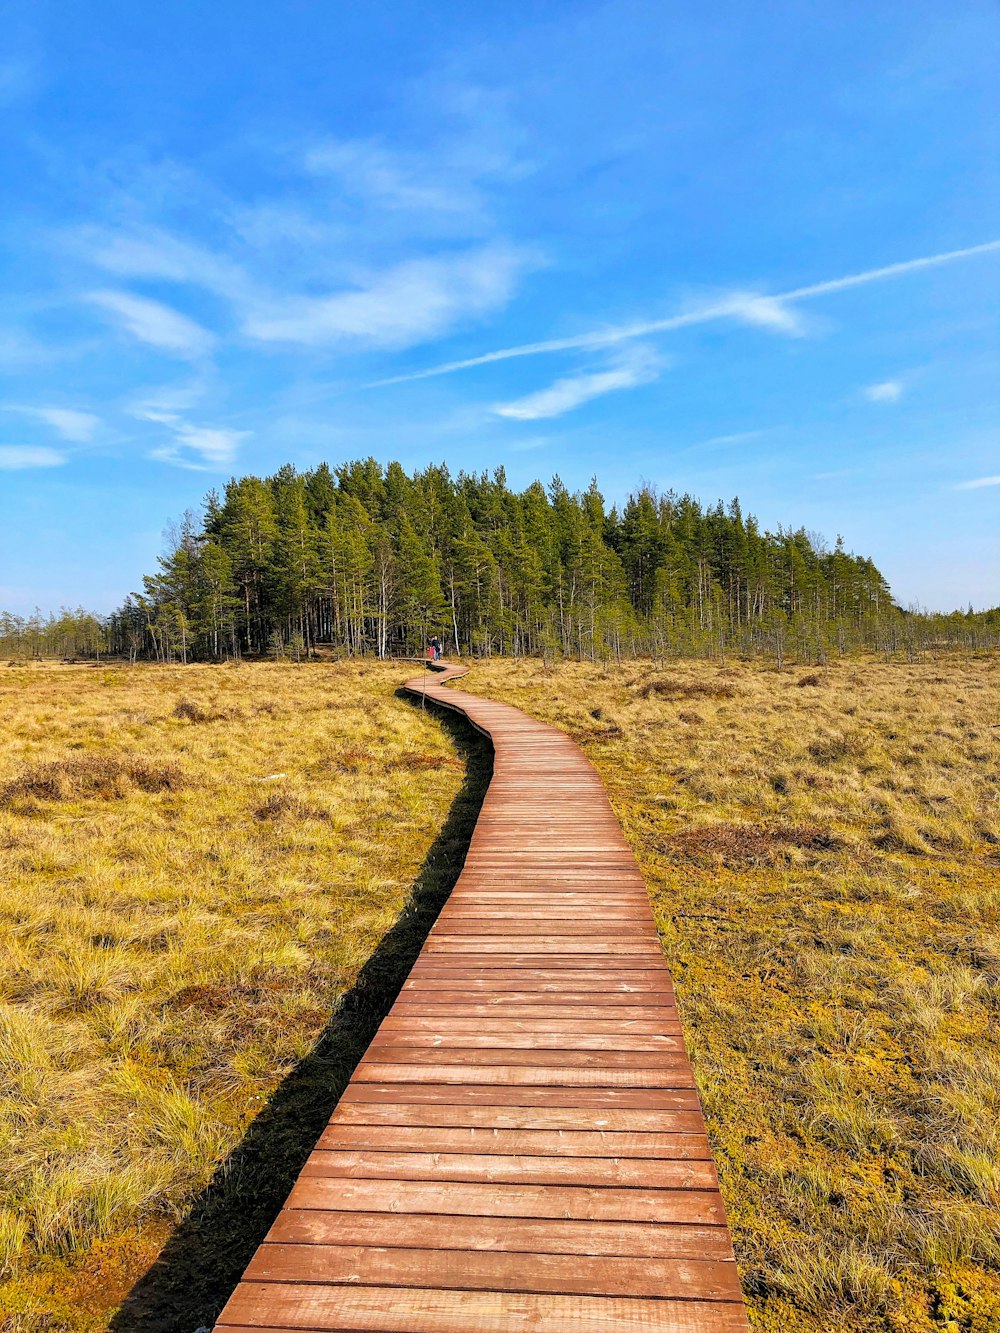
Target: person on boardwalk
435,649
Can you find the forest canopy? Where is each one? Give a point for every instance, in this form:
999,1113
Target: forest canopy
370,559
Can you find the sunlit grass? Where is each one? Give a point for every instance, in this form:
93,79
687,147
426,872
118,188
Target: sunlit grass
194,866
823,853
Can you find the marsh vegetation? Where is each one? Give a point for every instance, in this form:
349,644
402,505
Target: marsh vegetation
197,867
823,853
202,865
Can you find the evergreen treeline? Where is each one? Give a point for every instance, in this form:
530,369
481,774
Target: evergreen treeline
371,560
69,634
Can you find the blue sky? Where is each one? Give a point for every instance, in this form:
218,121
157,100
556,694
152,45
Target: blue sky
736,249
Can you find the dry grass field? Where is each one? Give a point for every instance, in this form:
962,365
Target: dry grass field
211,879
823,851
197,866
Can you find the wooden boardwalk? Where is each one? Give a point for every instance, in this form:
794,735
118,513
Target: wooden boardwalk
522,1147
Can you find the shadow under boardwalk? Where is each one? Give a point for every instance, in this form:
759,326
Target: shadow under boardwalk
521,1148
205,1257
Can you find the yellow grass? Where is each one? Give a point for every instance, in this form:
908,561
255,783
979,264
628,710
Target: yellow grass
179,921
195,866
823,853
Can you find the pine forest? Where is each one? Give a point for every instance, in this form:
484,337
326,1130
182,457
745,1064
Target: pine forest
370,560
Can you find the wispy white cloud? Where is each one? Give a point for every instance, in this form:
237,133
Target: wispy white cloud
978,483
17,457
156,324
739,437
736,305
172,399
199,448
888,391
366,169
400,307
766,312
67,422
446,188
573,391
151,252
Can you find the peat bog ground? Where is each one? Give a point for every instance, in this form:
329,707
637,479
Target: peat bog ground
214,878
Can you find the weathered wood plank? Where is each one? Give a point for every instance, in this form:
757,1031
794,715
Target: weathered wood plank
662,1146
462,1270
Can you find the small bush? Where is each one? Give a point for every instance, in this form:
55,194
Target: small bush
810,680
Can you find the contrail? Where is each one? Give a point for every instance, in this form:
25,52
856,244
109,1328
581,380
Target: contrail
717,310
890,271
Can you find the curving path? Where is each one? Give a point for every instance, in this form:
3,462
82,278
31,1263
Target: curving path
522,1146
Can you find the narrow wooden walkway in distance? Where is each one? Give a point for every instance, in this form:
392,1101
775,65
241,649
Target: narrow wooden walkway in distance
522,1147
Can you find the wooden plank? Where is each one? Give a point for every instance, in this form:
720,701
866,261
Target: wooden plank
675,1119
457,1000
450,1023
278,1306
481,1168
605,1204
559,1056
520,1076
464,1270
469,957
510,1040
487,981
595,1008
513,1235
533,1142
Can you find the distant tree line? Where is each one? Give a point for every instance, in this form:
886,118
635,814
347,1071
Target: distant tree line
367,559
67,634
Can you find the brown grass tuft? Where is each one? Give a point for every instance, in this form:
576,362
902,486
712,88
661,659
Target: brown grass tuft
285,804
738,845
417,763
191,712
97,777
832,749
668,687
